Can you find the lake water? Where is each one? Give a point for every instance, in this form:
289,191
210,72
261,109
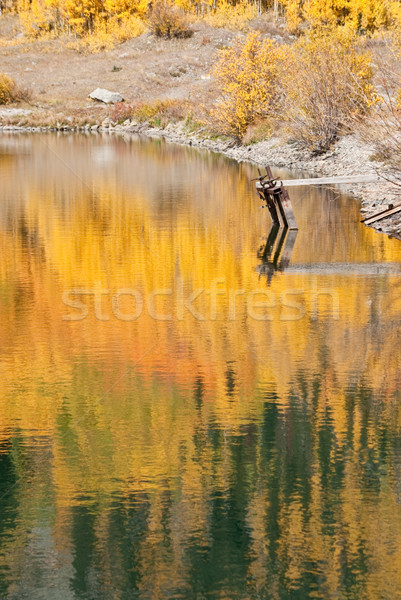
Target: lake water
192,406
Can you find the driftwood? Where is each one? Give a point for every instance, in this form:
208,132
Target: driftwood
391,210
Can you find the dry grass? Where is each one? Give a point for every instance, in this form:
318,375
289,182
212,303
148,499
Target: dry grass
159,113
162,112
51,118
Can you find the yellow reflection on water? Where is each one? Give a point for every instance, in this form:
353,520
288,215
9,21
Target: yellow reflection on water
138,327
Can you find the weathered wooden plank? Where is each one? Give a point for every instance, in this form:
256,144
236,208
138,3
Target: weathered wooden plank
336,269
382,215
338,180
346,269
278,202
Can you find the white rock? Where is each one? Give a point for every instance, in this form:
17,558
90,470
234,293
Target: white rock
106,96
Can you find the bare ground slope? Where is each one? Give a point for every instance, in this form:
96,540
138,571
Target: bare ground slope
145,68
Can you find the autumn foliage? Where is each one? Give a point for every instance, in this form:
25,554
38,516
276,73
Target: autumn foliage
10,92
7,86
52,17
328,82
313,88
246,76
108,18
358,15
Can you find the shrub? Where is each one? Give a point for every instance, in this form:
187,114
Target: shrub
158,113
327,83
381,127
120,112
161,112
168,21
10,92
257,132
7,86
123,29
246,77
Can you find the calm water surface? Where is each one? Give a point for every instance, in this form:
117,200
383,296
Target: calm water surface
192,406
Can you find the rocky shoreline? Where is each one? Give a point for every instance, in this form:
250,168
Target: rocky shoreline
350,156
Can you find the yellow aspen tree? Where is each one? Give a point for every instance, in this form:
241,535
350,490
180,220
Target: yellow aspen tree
246,76
369,15
293,14
325,12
